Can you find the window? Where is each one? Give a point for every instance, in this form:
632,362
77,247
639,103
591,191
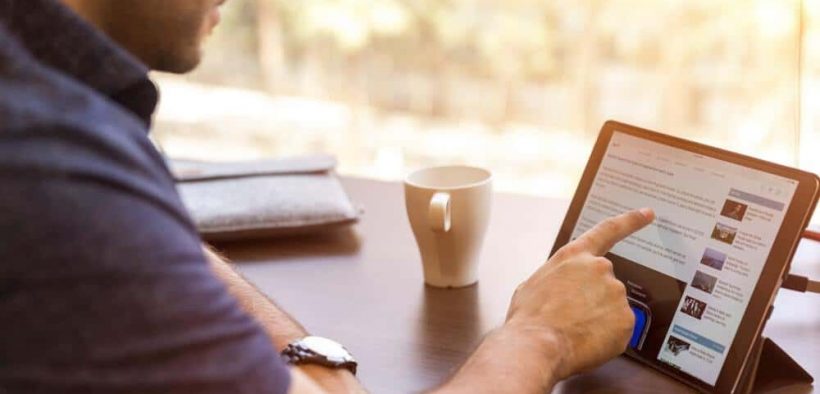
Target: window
518,87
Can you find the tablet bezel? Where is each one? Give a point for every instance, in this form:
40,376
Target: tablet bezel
776,266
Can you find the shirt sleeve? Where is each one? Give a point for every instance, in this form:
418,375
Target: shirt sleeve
103,285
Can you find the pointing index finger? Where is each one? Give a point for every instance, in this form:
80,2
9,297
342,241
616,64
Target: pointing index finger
601,238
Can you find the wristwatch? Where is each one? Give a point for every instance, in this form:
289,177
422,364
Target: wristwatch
318,350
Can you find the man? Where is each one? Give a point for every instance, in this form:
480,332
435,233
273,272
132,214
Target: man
104,284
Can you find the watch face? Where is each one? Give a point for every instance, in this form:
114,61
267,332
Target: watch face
326,347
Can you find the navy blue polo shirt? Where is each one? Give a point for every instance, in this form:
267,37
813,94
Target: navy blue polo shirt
103,285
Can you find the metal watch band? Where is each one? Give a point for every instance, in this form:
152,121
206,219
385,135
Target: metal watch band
294,354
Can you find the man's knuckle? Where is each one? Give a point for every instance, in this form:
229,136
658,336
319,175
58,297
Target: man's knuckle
579,245
619,287
572,248
561,254
615,285
521,288
628,319
602,265
629,316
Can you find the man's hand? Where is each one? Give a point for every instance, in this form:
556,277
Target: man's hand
574,301
569,316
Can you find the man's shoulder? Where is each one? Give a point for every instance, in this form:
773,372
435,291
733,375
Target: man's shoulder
53,123
69,139
35,95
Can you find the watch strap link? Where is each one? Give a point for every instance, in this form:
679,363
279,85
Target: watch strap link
294,354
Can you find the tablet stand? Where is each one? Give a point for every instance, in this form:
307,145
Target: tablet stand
770,368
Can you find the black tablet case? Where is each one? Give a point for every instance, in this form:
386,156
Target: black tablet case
770,368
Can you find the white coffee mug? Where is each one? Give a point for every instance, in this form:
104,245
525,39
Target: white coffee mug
449,209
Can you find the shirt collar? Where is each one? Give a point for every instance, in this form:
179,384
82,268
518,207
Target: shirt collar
60,39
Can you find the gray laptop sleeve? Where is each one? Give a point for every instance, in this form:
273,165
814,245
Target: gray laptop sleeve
263,198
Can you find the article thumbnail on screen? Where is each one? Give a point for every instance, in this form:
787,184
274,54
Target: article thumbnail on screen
693,307
676,345
713,258
734,210
704,282
724,233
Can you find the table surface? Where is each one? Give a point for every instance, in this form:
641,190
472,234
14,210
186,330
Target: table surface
363,286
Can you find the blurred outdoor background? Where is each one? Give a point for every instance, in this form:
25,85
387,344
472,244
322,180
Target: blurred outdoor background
518,86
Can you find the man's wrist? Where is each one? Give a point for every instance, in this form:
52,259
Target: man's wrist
529,359
542,347
332,380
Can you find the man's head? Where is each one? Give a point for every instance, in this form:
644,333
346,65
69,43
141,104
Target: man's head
166,35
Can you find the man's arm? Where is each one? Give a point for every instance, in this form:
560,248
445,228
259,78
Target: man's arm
282,330
570,316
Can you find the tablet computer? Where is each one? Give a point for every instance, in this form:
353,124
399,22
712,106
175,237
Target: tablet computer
702,277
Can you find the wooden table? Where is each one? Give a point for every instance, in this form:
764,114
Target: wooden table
364,287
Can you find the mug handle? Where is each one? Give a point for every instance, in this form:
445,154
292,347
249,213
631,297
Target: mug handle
438,215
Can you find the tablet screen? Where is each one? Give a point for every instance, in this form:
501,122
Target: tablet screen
691,274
